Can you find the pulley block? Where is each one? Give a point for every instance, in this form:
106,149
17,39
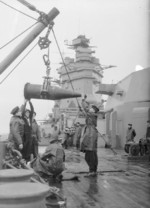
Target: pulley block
44,42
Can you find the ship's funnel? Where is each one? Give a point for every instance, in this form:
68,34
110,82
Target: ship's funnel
33,91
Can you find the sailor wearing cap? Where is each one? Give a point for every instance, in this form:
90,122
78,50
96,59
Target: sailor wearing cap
65,138
27,116
35,136
130,133
90,137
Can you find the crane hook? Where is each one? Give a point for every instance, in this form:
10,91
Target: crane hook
46,59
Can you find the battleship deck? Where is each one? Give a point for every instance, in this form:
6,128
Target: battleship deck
121,183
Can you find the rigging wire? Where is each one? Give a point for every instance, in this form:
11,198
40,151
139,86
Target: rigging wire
18,10
68,76
17,36
18,64
64,64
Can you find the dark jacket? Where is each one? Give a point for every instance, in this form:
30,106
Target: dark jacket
148,132
77,135
27,142
35,132
16,131
130,135
90,134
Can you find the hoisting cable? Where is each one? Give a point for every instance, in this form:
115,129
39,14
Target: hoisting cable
46,82
44,43
17,36
67,74
18,64
64,64
18,11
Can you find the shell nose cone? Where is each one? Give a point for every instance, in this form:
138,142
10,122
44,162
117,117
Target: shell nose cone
32,91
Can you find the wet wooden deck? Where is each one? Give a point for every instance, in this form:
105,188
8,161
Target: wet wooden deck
120,183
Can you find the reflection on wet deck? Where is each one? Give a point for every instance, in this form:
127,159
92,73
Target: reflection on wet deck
119,184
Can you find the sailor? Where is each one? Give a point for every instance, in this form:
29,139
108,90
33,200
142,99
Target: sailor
90,136
71,135
147,146
27,116
130,134
15,137
51,163
55,133
35,136
65,138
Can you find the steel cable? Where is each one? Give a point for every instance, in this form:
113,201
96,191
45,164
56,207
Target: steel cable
17,36
18,64
18,10
64,65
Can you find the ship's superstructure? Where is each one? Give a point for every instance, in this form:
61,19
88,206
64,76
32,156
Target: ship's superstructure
128,102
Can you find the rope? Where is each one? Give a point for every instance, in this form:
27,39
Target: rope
18,10
64,65
17,36
17,64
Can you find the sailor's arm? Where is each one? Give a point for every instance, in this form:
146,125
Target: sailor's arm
23,107
32,111
85,106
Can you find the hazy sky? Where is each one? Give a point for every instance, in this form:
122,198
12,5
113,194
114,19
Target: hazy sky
118,29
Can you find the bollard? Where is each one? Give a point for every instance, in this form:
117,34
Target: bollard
15,175
23,195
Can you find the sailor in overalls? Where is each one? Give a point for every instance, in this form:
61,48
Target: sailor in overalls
90,137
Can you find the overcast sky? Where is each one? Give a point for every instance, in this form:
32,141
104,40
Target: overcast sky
118,29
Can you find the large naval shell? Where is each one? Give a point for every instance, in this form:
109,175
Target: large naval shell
34,91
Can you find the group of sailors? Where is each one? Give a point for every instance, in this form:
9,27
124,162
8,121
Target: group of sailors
72,136
24,134
144,143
